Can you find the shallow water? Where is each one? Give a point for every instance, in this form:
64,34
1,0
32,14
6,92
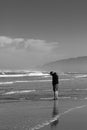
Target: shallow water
40,87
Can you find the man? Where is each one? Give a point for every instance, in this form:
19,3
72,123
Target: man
55,82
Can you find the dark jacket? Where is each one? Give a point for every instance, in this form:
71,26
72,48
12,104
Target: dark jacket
55,79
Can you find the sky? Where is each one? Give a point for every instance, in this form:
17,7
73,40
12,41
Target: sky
35,32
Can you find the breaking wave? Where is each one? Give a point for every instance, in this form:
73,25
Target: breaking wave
17,92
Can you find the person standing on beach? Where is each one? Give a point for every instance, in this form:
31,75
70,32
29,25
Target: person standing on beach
55,82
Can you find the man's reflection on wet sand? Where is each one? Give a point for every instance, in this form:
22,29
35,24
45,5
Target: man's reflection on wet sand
55,114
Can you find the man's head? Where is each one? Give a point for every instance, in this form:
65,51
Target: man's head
51,73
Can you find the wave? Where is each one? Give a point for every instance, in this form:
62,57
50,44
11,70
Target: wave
81,76
32,81
23,75
14,75
37,80
11,74
1,83
17,92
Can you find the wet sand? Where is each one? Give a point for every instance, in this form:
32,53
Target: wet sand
39,111
74,118
23,115
44,115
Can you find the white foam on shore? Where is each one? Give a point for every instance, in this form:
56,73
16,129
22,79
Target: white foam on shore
81,76
50,98
17,92
32,81
26,74
48,122
14,75
81,89
26,81
39,74
11,82
23,81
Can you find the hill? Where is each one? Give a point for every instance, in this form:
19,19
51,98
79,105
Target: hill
77,64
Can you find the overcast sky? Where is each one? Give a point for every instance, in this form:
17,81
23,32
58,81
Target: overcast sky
33,32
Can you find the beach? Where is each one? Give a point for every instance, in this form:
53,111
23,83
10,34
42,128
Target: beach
29,104
44,115
43,65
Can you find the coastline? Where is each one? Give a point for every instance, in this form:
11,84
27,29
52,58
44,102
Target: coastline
42,114
21,109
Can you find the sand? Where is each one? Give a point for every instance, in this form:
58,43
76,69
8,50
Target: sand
70,117
44,115
40,111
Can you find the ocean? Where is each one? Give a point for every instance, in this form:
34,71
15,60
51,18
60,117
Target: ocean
18,86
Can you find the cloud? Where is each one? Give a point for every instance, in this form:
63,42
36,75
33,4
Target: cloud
20,52
39,45
31,45
4,41
7,42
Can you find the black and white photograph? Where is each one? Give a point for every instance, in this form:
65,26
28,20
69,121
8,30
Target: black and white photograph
43,65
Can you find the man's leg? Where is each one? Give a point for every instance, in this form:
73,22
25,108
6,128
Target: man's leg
55,89
56,94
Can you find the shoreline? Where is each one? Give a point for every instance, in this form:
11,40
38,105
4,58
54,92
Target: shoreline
37,109
31,115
